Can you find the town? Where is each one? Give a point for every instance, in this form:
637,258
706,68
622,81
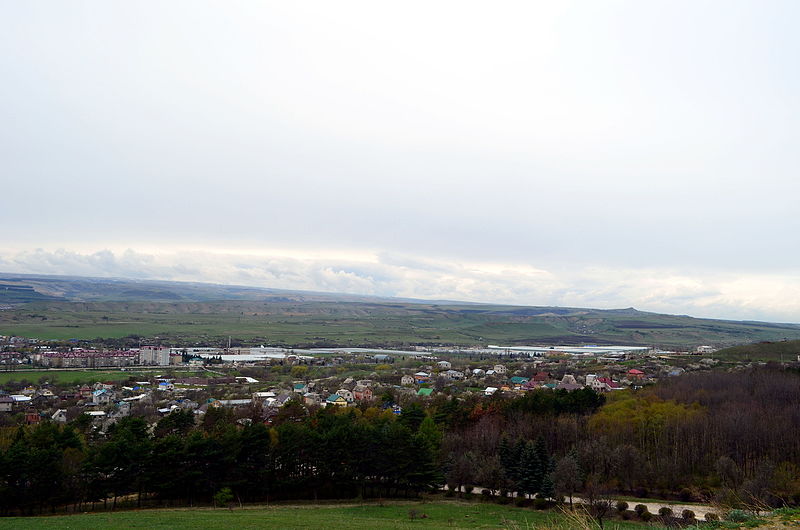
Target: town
152,381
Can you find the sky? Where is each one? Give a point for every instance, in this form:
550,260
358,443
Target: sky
587,154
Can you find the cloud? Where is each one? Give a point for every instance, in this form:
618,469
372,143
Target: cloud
735,296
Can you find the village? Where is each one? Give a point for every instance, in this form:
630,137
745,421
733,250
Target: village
256,384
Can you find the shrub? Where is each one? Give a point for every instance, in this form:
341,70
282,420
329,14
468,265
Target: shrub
738,516
687,515
224,497
622,506
646,516
625,515
711,517
449,493
685,494
521,502
540,504
486,493
468,489
640,509
665,511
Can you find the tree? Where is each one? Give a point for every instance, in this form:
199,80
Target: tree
566,477
224,497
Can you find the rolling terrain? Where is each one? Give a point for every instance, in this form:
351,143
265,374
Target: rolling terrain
188,313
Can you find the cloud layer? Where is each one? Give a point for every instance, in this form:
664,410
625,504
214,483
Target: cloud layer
743,296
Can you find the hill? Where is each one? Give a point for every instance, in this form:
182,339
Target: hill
192,313
787,350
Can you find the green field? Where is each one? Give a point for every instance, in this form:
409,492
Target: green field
84,376
371,324
439,515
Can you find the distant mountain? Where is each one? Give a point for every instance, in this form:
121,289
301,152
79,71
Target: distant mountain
63,307
23,288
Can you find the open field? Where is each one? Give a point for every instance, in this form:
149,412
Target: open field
82,376
375,324
440,515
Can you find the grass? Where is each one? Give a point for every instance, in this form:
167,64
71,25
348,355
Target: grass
369,324
84,376
439,515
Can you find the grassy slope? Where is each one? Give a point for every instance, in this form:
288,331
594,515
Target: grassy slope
367,517
359,323
763,351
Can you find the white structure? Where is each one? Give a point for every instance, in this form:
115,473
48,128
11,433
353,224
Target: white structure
444,365
407,380
705,349
490,391
500,369
346,394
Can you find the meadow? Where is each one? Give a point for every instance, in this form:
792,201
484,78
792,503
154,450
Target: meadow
370,324
390,515
74,377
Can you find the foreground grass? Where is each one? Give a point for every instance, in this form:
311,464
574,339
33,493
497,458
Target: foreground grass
442,514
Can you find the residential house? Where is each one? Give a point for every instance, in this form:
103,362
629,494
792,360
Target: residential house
300,388
362,393
407,380
346,394
518,381
422,377
500,369
478,372
633,373
541,377
444,365
60,416
604,384
490,391
453,375
6,403
102,397
32,418
336,400
311,398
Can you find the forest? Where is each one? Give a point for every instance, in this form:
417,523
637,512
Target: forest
728,437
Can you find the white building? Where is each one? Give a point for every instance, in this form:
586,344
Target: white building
154,355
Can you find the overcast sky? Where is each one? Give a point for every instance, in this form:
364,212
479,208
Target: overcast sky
604,154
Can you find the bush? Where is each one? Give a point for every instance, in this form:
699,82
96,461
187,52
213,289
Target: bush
486,493
646,516
540,504
711,517
687,515
640,509
738,516
224,497
449,493
625,515
665,511
521,502
468,489
622,506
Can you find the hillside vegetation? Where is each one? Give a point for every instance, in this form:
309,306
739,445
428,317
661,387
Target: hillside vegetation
786,350
188,314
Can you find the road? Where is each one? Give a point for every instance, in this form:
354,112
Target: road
700,510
